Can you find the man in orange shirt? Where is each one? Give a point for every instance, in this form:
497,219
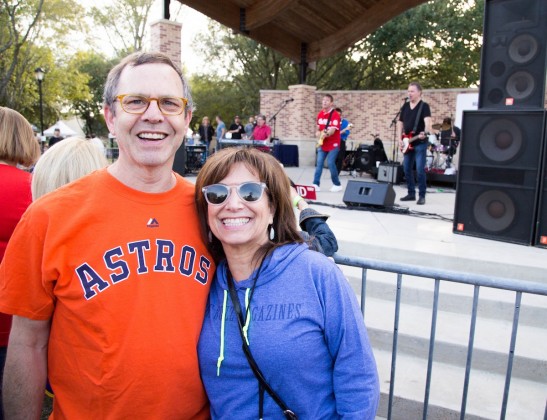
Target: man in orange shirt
107,277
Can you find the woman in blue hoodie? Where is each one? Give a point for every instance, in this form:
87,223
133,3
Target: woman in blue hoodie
275,305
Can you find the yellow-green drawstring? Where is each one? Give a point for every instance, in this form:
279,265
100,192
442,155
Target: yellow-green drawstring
248,318
223,322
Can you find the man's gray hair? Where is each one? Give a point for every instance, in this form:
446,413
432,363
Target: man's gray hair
137,59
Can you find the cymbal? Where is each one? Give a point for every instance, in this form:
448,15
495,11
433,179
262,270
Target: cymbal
436,126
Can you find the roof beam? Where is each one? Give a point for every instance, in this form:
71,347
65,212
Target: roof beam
265,11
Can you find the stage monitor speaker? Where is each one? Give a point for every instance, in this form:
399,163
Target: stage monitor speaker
541,226
390,172
514,49
362,193
499,173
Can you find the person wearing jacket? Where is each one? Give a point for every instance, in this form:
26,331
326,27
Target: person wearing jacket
275,302
314,226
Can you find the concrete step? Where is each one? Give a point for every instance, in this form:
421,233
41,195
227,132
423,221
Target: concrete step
491,346
485,395
453,297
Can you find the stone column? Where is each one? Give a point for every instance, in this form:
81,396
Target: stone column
301,125
165,38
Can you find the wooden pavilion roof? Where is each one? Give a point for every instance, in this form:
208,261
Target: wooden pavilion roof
303,30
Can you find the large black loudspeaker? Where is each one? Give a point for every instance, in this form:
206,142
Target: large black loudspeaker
541,227
365,158
513,62
500,168
361,193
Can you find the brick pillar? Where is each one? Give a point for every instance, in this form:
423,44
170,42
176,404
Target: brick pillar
165,38
301,129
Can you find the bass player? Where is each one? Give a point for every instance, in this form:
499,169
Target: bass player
328,144
413,125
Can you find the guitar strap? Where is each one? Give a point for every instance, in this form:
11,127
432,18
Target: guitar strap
328,120
418,115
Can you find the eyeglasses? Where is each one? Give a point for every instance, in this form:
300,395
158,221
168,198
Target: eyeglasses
217,194
138,104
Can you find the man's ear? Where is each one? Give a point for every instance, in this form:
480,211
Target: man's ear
109,119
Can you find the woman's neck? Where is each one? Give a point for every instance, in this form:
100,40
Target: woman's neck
241,264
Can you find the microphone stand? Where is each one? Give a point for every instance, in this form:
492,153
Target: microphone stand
274,116
395,149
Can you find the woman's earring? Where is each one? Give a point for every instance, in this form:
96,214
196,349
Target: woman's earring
272,233
210,235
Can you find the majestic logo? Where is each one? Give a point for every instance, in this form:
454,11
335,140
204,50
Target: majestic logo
153,223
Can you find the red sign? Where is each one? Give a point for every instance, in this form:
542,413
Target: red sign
306,191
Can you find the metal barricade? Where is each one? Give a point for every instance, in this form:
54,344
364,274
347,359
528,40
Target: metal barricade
438,276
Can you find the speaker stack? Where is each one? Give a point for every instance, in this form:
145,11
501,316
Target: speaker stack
501,192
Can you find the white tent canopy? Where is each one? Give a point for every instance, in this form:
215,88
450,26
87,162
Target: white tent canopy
68,128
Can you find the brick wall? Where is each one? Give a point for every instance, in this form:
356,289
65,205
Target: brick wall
370,112
165,38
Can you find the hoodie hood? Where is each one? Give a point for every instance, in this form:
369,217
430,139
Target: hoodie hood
274,264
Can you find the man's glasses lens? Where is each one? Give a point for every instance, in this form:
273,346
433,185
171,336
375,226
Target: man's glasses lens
219,193
137,104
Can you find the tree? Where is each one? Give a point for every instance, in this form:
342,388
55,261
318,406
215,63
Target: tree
93,70
30,30
125,23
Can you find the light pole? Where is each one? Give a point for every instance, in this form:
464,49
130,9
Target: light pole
39,74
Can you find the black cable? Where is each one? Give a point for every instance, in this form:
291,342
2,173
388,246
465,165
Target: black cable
384,209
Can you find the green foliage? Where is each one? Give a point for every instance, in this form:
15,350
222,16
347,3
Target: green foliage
30,30
92,69
215,96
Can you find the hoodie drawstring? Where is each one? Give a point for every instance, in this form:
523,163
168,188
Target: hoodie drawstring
223,323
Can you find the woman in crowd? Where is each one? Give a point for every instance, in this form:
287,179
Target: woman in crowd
275,305
70,159
18,146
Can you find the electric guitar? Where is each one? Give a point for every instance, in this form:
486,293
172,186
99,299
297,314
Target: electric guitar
320,139
407,142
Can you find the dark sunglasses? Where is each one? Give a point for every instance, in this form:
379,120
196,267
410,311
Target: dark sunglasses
248,191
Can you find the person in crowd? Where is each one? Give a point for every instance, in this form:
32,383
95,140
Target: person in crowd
345,127
73,158
206,132
249,127
107,284
315,229
290,307
220,131
18,146
262,132
328,144
56,138
236,129
413,126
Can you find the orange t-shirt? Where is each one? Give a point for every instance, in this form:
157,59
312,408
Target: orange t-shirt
124,277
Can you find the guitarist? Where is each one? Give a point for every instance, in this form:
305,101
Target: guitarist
414,122
328,144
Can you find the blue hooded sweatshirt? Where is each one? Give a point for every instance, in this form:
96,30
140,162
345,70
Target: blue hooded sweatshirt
306,333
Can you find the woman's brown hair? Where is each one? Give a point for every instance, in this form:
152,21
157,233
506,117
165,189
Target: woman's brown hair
269,171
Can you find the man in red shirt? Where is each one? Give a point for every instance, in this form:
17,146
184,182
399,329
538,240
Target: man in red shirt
328,133
262,132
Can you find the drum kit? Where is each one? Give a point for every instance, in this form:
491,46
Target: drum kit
439,156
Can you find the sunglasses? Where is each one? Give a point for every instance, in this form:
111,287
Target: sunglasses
248,191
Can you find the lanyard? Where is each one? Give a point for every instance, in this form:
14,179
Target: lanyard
262,383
